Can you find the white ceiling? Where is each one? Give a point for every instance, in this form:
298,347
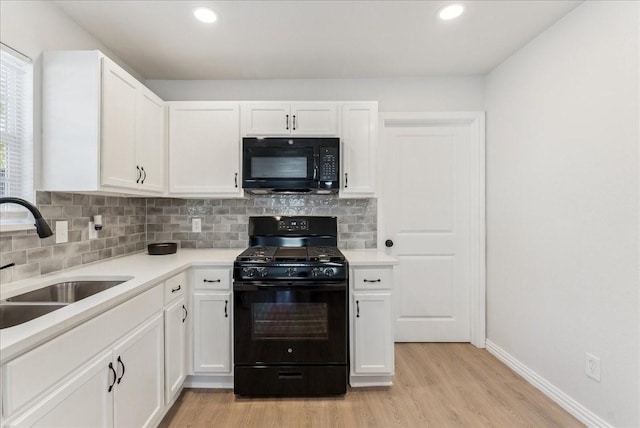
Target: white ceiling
313,39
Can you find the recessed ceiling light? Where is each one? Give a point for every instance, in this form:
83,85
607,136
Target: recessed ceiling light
451,11
205,15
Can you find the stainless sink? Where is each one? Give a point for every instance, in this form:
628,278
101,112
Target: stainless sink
65,292
15,314
33,304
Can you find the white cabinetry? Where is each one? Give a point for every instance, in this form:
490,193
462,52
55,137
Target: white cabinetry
102,120
204,149
372,359
138,392
212,315
114,375
175,345
281,119
359,139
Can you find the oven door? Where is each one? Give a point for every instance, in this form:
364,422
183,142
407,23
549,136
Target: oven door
289,325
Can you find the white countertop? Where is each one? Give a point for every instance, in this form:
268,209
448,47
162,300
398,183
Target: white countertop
146,271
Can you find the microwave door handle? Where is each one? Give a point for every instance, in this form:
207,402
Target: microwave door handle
315,172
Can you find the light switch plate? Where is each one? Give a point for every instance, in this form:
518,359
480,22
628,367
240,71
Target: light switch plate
62,232
196,225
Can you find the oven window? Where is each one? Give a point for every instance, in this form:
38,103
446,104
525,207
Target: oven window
297,321
278,167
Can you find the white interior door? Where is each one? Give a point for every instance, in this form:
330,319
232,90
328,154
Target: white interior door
427,206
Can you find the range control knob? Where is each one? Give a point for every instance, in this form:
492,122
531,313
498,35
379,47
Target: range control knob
315,271
250,272
290,271
329,272
262,271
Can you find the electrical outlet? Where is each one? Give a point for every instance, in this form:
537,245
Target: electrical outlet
93,233
592,366
196,225
62,232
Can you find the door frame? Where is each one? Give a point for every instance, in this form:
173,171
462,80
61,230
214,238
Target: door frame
477,245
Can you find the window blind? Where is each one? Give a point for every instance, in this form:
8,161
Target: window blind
16,126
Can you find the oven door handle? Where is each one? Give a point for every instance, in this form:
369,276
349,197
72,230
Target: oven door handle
290,287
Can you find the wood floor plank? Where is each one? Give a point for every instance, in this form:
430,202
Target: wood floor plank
436,385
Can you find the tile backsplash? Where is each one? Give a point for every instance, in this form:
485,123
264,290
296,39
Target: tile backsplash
224,221
129,223
123,232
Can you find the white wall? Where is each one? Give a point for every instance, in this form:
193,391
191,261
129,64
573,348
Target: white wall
32,27
562,206
409,94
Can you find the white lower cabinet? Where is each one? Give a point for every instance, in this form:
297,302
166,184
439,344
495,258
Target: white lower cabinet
212,332
121,387
138,392
175,327
372,347
82,401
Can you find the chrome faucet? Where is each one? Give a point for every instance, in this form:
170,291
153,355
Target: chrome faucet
42,228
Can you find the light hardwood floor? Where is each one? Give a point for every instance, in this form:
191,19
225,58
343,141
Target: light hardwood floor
436,385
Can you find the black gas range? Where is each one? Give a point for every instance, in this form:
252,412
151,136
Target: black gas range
290,309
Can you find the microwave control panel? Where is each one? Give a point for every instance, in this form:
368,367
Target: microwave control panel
328,164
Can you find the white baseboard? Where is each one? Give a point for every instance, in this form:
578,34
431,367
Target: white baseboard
580,412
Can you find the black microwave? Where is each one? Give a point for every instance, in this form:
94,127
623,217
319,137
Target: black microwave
291,165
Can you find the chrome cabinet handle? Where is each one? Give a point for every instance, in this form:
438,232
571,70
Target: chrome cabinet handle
372,280
286,121
173,290
235,180
210,280
186,313
145,175
357,308
139,174
226,314
122,364
115,375
346,180
294,122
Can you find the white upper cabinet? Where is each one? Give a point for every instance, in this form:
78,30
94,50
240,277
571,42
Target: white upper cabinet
204,149
359,145
109,125
283,119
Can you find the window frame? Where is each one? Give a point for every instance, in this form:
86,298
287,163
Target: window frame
13,217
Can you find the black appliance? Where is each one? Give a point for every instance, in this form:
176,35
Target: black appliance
291,165
290,309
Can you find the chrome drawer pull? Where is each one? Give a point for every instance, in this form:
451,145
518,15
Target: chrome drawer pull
211,280
173,290
372,280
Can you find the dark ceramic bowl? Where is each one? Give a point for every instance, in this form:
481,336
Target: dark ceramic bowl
162,248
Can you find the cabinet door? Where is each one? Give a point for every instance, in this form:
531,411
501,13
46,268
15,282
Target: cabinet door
212,332
373,344
265,119
314,119
150,142
204,149
84,400
175,328
139,362
118,145
359,142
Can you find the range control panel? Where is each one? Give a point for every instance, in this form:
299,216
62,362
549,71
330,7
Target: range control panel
293,225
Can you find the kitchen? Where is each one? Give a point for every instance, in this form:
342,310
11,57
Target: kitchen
561,219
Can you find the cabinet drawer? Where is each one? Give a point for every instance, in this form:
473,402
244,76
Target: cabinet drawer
212,279
34,372
174,287
374,278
